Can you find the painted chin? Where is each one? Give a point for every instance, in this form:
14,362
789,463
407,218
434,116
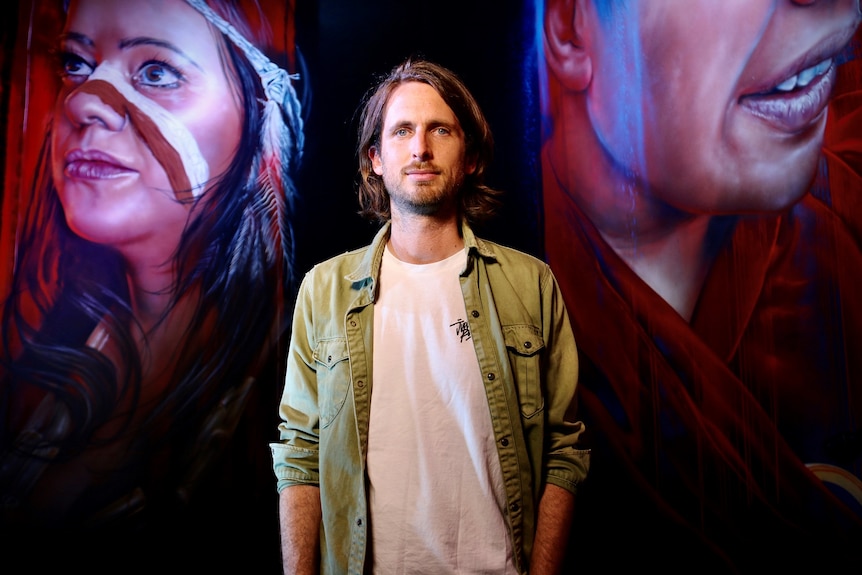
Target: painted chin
763,188
777,171
783,188
752,177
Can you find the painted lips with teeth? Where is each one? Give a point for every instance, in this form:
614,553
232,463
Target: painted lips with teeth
804,77
798,101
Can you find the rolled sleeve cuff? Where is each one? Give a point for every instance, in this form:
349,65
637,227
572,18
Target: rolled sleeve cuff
294,466
568,469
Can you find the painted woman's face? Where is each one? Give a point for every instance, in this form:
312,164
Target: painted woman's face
147,115
720,104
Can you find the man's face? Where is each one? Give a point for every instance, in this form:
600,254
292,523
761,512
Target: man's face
718,106
422,152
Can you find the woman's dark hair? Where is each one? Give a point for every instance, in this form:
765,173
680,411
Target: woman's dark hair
478,202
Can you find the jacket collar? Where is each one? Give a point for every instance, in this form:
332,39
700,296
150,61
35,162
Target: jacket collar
368,270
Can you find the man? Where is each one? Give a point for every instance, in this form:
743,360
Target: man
427,409
723,388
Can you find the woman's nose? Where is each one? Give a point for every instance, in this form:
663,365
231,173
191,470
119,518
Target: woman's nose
87,107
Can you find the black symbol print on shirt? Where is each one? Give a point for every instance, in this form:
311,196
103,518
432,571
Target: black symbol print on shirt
462,329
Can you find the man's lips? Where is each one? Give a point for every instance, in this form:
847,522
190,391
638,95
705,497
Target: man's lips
795,98
803,78
93,165
796,103
421,173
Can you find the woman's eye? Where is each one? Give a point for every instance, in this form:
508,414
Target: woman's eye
158,74
73,65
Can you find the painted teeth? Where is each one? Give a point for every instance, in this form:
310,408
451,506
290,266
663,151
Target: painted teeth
804,77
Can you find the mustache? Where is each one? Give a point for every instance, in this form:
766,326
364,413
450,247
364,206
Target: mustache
419,166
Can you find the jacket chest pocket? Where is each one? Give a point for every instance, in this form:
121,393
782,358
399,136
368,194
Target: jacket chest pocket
524,344
333,377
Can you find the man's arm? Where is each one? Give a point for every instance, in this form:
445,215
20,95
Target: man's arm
299,518
556,509
565,459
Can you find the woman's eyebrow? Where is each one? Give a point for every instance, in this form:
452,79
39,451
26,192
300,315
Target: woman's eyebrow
148,41
130,43
76,37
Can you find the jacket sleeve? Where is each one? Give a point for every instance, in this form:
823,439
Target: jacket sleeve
566,463
296,455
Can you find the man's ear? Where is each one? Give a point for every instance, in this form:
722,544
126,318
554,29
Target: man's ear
470,164
566,49
376,162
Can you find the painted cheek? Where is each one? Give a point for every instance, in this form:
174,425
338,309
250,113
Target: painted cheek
171,143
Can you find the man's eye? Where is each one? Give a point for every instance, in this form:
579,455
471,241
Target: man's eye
442,131
401,132
158,74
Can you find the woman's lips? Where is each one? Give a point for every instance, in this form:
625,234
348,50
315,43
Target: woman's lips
93,165
797,102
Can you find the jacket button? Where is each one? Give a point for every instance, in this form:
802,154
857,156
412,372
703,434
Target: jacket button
504,442
474,313
528,345
360,383
491,377
513,507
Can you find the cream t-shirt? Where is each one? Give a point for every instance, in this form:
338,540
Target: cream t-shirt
436,497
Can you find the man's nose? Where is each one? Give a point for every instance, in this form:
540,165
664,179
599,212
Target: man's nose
419,146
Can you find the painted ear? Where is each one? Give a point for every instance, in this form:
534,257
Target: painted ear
566,50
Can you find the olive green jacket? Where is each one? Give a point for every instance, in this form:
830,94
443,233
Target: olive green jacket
526,353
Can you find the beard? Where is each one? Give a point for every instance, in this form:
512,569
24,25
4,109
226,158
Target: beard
425,198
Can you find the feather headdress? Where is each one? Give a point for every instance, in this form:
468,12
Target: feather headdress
281,142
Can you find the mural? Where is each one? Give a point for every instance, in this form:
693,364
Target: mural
144,312
701,201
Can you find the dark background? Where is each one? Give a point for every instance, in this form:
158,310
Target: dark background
348,44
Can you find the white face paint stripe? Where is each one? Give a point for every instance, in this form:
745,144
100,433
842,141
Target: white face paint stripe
170,131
